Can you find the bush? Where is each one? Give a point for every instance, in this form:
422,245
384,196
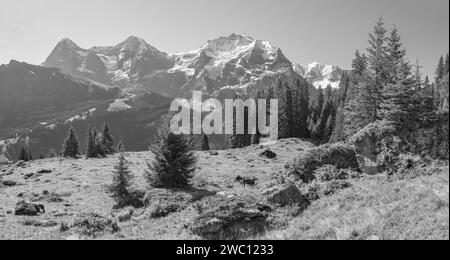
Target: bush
339,155
161,202
92,224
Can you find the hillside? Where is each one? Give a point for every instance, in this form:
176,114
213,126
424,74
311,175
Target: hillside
371,207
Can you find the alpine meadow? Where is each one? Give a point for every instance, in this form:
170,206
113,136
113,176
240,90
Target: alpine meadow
233,140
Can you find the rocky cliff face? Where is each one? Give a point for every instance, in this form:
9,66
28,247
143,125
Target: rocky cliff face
221,67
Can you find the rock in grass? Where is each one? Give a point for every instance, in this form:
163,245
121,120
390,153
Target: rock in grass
269,154
28,209
287,195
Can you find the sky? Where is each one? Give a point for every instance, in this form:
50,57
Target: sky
326,31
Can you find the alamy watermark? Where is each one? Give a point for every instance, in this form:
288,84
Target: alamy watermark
228,118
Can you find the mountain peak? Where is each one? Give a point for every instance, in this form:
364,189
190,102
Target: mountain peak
136,45
69,43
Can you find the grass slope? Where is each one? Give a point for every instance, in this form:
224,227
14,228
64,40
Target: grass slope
374,207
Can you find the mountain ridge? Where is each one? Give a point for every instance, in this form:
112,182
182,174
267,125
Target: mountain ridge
236,61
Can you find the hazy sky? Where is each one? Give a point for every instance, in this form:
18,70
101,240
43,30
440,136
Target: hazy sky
327,31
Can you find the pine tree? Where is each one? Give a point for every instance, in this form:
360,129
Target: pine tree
174,162
446,65
91,151
289,111
71,146
359,64
122,181
365,107
440,71
205,143
303,106
108,140
399,68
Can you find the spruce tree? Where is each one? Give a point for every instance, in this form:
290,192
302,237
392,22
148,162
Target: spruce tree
359,64
303,107
174,163
71,146
440,70
289,111
91,151
446,65
108,140
122,181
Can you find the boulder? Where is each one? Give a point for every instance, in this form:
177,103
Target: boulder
28,209
287,195
231,217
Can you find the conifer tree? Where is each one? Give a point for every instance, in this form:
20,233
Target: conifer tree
90,146
174,162
289,111
71,146
303,107
440,70
359,64
122,181
108,140
446,65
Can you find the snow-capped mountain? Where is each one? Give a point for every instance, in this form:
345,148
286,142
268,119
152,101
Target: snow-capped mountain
226,64
221,67
127,62
232,62
320,75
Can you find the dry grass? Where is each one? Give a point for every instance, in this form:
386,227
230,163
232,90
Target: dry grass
373,206
377,208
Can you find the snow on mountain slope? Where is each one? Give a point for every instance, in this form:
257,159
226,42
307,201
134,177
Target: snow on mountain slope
221,67
320,75
124,63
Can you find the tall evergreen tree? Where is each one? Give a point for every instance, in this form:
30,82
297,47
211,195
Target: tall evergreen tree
440,70
289,111
71,146
303,105
446,65
90,146
122,181
359,64
108,140
175,161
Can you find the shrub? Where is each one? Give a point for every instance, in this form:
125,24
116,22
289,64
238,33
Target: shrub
174,162
339,155
92,224
161,202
